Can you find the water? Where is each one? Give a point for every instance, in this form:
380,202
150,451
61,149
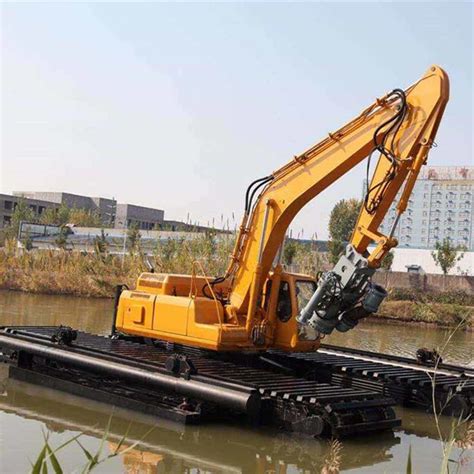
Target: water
157,446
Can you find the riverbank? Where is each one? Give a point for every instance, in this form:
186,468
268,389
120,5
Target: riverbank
437,314
96,275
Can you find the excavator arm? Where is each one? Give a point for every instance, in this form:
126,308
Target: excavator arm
400,127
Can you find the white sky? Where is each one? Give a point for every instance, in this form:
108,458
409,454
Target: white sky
180,106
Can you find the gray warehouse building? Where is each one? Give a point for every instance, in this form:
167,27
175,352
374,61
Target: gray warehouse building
144,218
8,204
112,214
104,207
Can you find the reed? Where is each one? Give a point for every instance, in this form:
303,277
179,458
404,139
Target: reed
96,273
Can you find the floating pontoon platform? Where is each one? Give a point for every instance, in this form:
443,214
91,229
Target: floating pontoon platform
334,392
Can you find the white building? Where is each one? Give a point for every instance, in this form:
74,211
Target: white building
422,261
439,208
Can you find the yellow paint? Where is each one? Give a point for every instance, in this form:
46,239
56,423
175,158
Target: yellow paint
177,309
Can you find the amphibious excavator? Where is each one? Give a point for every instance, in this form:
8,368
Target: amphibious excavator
257,305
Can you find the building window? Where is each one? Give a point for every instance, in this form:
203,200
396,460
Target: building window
7,220
8,205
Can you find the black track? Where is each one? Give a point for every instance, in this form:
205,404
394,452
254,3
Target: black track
293,401
404,379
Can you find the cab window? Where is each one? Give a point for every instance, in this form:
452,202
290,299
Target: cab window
284,302
304,292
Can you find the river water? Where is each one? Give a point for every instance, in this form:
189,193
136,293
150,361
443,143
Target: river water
28,413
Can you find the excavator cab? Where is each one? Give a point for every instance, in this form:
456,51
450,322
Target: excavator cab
295,291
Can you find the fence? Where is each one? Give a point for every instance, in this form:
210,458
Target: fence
425,282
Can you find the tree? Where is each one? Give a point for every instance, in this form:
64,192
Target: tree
58,216
387,261
100,243
27,241
342,221
289,251
133,238
22,213
447,255
61,238
84,218
48,216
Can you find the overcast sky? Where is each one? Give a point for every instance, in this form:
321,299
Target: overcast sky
180,106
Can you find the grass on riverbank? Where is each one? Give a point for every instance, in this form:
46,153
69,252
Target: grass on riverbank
440,314
96,274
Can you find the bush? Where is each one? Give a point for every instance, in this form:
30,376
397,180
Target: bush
457,297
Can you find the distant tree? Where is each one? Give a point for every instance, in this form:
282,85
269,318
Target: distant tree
21,213
335,250
133,238
49,216
27,241
289,251
447,255
100,243
58,216
387,261
61,238
342,221
84,218
63,215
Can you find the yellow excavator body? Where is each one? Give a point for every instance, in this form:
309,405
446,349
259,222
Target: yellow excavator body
164,307
256,305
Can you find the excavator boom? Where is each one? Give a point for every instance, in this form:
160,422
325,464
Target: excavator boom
256,305
419,110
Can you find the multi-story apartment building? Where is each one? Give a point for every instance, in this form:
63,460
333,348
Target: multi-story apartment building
440,207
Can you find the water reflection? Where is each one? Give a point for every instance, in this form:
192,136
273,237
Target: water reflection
171,448
95,315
